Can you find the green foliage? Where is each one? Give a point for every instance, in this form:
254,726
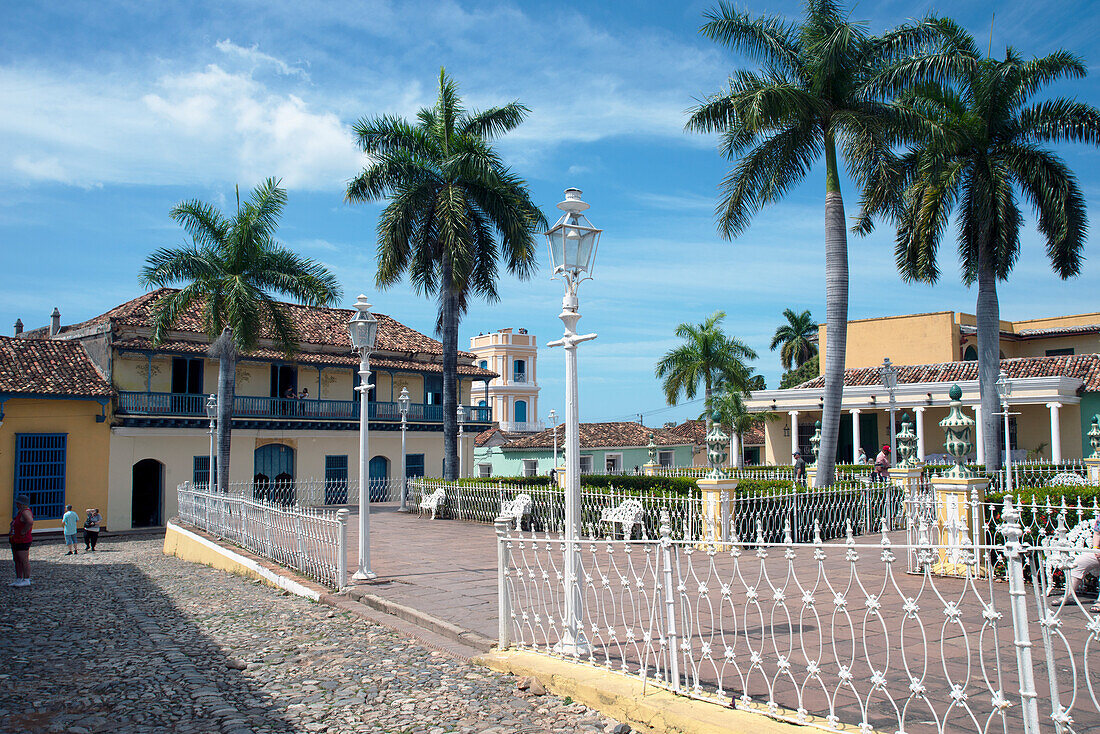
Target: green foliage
794,339
808,371
659,486
708,356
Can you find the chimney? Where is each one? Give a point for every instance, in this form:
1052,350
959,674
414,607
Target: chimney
18,327
55,322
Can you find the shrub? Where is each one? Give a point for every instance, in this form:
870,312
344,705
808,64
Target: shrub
674,486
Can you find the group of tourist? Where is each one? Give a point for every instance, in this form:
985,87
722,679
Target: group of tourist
20,535
880,472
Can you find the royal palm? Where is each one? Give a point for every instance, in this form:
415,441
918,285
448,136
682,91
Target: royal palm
229,276
809,101
454,212
980,137
794,339
709,357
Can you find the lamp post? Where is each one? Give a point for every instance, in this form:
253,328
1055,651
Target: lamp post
460,414
212,414
1004,391
888,375
572,242
403,406
552,416
362,328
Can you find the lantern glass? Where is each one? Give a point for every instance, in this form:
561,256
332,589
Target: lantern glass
403,400
573,242
211,407
1004,386
461,412
363,326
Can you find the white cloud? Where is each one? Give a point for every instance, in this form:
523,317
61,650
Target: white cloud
258,58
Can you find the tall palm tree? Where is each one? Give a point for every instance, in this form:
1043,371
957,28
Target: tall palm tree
795,337
810,98
982,139
230,274
454,211
708,356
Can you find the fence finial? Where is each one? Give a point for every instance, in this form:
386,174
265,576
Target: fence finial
665,528
787,538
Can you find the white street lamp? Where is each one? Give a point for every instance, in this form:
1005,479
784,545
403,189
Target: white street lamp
553,418
460,414
362,328
572,242
212,414
403,406
1004,391
888,375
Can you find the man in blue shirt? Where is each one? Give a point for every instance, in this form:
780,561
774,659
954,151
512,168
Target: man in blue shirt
70,520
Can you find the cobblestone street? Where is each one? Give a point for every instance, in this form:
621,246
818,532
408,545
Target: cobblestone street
129,640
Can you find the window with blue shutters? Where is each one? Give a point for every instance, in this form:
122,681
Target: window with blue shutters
414,465
336,479
40,472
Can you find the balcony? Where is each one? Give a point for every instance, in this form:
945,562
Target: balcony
522,426
519,377
177,405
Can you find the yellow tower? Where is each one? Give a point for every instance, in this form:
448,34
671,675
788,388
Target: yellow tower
514,395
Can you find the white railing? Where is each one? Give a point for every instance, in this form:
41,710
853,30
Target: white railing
317,492
312,541
833,635
522,426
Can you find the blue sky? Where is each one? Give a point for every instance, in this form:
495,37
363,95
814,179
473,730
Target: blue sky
110,112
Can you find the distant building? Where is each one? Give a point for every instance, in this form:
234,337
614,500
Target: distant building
156,396
1053,363
606,448
696,430
514,394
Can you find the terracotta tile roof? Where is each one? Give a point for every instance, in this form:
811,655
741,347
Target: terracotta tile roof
488,434
318,326
49,368
602,435
320,358
1083,366
1059,331
696,430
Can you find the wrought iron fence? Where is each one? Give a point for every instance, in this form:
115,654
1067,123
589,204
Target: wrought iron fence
835,635
317,492
310,540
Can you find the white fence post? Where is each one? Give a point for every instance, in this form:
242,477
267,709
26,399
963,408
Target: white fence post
504,600
341,549
1017,594
670,601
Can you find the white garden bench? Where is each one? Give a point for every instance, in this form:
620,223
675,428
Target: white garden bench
627,513
1079,536
433,502
517,509
1067,479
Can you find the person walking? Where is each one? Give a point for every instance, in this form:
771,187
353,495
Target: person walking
862,458
882,465
91,529
70,520
20,539
799,468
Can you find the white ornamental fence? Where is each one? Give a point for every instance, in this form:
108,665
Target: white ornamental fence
317,492
835,635
312,541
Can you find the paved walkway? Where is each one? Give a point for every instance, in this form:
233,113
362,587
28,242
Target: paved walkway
446,568
129,640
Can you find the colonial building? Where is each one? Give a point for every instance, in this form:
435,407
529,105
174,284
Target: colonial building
55,433
159,430
514,393
610,448
1053,365
696,430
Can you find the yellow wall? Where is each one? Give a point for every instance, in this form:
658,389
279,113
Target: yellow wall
916,339
1084,319
86,449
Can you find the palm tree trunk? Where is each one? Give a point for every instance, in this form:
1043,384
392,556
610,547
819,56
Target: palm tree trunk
989,355
836,315
227,386
450,374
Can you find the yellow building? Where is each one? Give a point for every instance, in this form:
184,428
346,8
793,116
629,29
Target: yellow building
1053,363
158,436
514,394
54,429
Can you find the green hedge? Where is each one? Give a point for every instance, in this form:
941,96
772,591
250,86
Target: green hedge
676,486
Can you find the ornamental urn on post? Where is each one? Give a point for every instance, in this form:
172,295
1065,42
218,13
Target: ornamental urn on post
651,467
1094,437
815,442
717,445
957,428
907,443
652,448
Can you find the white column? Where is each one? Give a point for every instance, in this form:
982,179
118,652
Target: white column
919,410
855,434
979,444
735,450
794,432
1055,433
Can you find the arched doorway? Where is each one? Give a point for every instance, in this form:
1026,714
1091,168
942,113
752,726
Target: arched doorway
147,498
274,473
379,470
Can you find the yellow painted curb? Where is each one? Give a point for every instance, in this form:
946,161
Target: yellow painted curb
192,547
628,700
